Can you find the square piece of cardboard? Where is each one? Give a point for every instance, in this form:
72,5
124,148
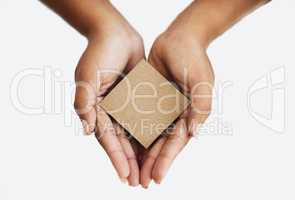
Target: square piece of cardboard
144,103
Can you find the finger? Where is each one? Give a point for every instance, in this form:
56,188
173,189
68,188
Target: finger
176,141
148,163
139,151
107,137
133,177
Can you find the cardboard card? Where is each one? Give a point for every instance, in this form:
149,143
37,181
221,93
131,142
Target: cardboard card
144,103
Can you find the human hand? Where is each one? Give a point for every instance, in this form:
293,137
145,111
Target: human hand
181,57
114,48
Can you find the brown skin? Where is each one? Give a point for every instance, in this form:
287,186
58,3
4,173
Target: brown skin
179,53
112,45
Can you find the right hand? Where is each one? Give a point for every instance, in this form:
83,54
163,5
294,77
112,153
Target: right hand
114,49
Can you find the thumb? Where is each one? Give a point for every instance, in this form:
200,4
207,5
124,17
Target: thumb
201,84
200,108
86,90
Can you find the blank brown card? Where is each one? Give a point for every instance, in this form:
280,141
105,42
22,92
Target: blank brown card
144,103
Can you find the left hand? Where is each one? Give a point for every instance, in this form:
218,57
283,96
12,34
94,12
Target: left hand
182,59
180,55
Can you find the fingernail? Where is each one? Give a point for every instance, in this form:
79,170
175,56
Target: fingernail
91,128
85,127
133,184
158,182
123,180
145,186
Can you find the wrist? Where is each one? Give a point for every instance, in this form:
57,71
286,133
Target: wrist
108,22
189,25
196,34
206,19
101,18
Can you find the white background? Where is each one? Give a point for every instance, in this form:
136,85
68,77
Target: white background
42,158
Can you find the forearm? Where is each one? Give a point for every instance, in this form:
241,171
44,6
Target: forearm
87,16
208,19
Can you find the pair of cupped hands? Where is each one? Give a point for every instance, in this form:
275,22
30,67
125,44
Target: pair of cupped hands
179,55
